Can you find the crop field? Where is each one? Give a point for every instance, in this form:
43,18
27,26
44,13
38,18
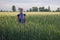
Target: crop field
38,26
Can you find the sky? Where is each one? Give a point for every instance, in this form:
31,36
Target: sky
26,4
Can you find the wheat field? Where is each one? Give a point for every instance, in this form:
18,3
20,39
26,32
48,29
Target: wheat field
39,26
29,13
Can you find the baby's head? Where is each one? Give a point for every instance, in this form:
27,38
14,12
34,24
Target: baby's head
21,10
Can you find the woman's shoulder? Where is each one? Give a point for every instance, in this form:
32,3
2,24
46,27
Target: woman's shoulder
18,15
24,14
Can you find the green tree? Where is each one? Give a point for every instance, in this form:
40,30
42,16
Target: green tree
30,10
35,9
58,10
49,8
1,11
13,8
41,9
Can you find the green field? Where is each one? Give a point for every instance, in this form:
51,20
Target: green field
39,26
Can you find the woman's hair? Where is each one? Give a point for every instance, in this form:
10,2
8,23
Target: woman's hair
20,8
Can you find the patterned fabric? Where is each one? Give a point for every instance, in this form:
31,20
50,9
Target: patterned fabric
21,18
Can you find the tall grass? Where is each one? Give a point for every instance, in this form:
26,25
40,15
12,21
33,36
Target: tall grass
37,27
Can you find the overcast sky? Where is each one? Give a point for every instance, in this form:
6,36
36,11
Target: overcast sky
26,4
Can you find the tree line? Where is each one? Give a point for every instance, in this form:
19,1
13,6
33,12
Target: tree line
40,9
34,9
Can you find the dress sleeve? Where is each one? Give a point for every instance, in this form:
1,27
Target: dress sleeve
24,14
18,15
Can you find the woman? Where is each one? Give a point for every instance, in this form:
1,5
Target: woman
21,16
